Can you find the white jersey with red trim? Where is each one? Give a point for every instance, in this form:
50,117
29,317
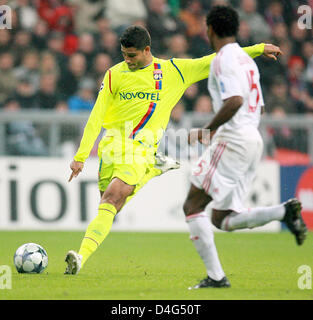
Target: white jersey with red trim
234,73
227,168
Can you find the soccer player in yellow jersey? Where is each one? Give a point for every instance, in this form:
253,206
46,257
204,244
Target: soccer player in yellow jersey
134,106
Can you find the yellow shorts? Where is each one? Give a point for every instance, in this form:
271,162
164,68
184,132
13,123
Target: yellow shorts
129,161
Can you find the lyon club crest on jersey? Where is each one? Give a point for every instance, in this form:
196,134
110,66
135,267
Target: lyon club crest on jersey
157,74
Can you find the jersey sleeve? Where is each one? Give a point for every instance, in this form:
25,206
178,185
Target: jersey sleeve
96,118
255,50
194,70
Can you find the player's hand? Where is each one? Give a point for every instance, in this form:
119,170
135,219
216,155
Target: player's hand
76,167
272,51
204,136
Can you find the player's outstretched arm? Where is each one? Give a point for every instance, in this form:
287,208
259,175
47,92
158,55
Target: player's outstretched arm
272,51
267,49
194,70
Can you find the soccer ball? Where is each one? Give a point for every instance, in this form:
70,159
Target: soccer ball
30,258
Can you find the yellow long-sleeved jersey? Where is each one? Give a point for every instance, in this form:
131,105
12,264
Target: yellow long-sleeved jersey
137,104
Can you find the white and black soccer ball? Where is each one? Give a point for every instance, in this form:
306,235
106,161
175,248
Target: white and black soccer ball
30,258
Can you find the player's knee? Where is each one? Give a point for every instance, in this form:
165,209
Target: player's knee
190,207
218,216
115,199
117,193
216,220
111,200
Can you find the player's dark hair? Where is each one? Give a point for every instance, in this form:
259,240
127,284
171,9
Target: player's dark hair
224,21
135,36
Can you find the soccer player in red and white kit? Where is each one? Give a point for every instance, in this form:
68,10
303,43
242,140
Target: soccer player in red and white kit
224,173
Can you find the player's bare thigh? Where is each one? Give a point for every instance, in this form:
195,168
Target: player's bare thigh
116,193
196,201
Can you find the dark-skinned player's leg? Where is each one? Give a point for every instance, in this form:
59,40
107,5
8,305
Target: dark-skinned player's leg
201,234
196,201
288,212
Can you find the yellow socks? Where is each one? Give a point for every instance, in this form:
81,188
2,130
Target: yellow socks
97,230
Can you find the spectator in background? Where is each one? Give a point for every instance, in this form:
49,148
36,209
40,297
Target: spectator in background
174,6
177,46
84,99
48,64
296,67
279,32
86,46
122,14
161,25
274,13
289,10
109,44
26,14
298,37
198,43
29,67
298,87
22,138
55,45
61,106
268,70
192,15
203,105
278,96
307,51
190,96
101,63
177,114
260,30
286,47
7,76
244,37
309,69
40,35
102,26
59,16
84,14
218,3
21,44
5,40
25,93
47,96
281,137
69,132
72,75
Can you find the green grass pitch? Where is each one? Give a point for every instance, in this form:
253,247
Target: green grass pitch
160,266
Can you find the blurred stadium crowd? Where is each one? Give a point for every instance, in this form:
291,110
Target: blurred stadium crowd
56,54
